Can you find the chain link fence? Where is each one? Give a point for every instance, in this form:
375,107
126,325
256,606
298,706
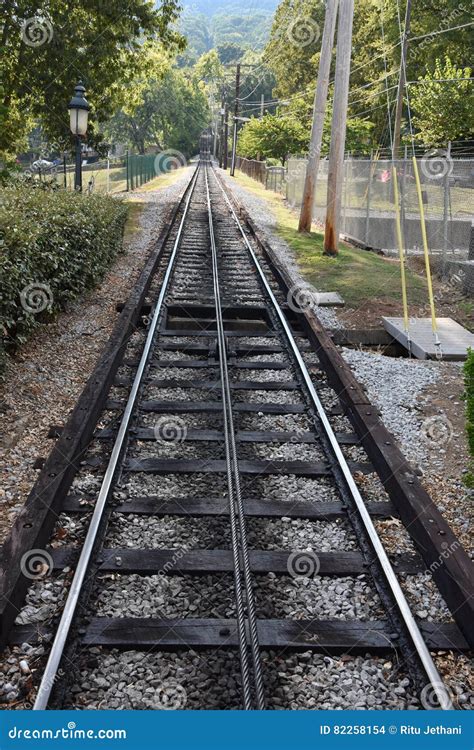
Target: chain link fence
112,175
368,208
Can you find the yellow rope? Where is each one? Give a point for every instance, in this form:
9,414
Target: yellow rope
400,250
434,324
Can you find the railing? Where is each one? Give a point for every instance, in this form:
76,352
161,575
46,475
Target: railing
112,175
368,209
252,168
272,177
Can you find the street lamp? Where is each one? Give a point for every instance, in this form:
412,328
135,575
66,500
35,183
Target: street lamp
78,115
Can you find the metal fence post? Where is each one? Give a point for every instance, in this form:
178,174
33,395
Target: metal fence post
126,171
369,192
446,208
346,180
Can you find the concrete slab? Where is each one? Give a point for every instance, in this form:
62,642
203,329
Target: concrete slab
329,299
454,339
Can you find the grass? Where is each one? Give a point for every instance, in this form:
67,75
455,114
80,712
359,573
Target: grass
358,275
132,225
162,181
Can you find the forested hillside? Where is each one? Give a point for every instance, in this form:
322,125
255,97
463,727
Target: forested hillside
208,25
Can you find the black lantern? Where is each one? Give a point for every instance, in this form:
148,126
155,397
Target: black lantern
78,117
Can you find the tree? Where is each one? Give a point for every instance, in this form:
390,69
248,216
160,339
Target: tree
271,136
293,50
229,52
170,113
443,108
44,52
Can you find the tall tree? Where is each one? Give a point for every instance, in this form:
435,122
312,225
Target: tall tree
443,103
170,112
46,47
293,50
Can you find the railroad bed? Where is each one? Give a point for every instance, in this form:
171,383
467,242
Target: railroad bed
216,544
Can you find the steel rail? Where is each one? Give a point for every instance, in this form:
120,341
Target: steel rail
57,649
236,506
424,655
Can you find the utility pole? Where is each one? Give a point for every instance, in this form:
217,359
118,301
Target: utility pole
222,142
236,114
226,137
401,83
214,147
319,111
262,105
338,127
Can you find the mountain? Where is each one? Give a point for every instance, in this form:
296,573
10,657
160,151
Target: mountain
210,8
211,23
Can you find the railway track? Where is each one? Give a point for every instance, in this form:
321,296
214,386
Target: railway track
221,419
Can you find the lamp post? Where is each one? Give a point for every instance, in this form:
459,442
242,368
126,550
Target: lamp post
78,116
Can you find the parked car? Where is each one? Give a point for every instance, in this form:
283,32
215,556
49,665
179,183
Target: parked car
41,165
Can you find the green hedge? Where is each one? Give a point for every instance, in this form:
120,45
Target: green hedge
54,245
469,391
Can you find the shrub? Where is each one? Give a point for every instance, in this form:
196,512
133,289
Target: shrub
54,245
469,391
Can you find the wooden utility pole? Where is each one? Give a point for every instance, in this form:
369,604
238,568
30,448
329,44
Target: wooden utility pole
401,83
226,137
236,114
338,127
222,144
319,111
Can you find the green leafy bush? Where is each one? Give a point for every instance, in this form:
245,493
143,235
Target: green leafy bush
54,246
469,390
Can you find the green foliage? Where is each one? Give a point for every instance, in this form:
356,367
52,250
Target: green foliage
230,52
469,391
44,52
170,113
358,130
222,26
375,57
295,65
271,137
443,109
54,245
